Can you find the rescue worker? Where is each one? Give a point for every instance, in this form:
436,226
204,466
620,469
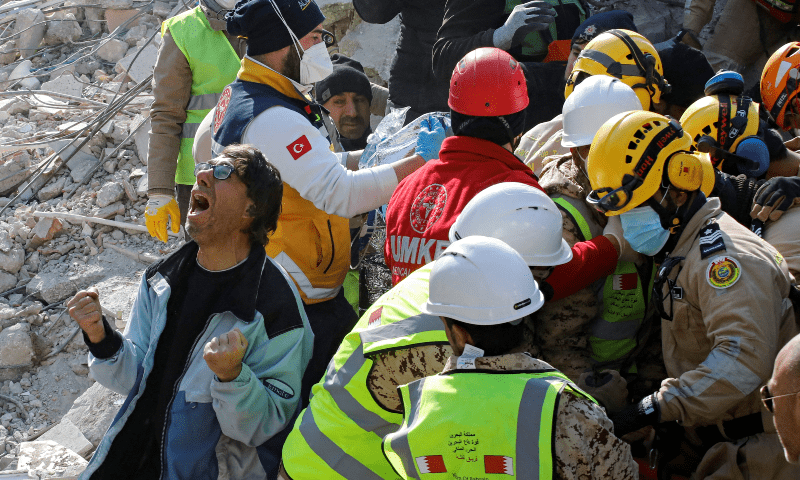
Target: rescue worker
196,60
488,97
745,32
494,409
266,106
357,403
722,291
545,138
593,329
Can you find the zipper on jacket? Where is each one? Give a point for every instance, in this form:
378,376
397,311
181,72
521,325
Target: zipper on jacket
333,247
175,392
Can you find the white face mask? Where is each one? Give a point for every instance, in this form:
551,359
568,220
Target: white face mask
315,64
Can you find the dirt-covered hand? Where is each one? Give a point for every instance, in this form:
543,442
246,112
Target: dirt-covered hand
224,354
85,309
611,390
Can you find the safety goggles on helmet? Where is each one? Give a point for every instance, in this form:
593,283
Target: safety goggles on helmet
221,171
611,200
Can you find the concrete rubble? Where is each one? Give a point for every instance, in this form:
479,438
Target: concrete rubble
61,67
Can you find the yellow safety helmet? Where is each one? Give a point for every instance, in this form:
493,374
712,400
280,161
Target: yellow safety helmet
633,153
625,55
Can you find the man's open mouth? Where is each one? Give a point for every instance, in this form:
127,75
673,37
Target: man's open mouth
200,202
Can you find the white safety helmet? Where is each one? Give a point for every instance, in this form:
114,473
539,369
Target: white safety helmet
482,281
592,103
520,215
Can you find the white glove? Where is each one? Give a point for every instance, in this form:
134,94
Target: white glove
614,229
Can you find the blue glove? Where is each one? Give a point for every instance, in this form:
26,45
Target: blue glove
429,141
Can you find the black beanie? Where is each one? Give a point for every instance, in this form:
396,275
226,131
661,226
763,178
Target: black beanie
348,76
488,128
687,70
603,22
257,21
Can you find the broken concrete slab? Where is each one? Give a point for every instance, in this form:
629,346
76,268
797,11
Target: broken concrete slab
21,72
109,193
52,190
16,347
143,65
49,459
94,411
112,50
8,52
80,164
66,84
30,26
94,17
12,260
135,34
54,286
62,27
7,281
110,211
68,435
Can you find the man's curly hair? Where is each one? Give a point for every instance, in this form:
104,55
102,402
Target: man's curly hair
264,188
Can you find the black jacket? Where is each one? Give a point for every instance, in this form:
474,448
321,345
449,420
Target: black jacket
411,81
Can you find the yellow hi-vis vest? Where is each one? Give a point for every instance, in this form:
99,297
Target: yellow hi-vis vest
624,306
214,65
475,423
339,434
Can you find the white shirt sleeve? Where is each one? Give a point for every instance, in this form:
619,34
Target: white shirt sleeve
305,161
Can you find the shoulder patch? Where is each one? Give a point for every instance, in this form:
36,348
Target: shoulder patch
723,272
299,147
278,388
710,240
222,107
778,259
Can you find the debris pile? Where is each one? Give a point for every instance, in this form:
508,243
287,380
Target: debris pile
75,90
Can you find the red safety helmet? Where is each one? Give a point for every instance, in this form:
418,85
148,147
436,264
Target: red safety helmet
488,82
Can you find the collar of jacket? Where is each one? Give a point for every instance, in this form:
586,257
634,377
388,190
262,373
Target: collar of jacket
708,210
502,363
241,301
252,71
478,149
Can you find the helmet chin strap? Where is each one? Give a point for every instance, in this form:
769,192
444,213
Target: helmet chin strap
669,221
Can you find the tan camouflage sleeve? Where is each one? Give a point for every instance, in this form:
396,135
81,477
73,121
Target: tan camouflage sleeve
398,367
586,446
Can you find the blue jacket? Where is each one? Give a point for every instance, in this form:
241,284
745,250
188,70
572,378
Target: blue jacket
207,416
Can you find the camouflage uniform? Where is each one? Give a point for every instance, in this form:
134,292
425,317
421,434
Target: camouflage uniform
585,445
543,140
562,327
398,367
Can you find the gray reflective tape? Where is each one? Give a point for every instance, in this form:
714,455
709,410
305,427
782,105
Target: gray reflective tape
399,441
409,326
344,464
723,363
606,330
203,102
528,426
335,384
189,130
606,61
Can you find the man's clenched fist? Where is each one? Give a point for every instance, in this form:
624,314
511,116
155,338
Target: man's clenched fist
224,355
85,309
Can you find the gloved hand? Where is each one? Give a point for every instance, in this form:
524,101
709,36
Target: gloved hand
159,210
608,388
524,19
774,197
430,138
614,229
637,416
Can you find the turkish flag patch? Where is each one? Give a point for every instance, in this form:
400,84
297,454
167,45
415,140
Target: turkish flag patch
431,464
498,464
299,147
625,281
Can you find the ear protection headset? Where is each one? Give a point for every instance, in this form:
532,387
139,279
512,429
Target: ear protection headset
684,171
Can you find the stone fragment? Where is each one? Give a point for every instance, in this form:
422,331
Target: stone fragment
7,281
94,17
142,137
135,34
62,27
12,260
80,164
21,72
143,65
116,17
52,190
68,435
110,211
113,50
109,193
141,187
16,348
8,52
94,411
31,27
66,84
130,192
162,9
51,459
46,229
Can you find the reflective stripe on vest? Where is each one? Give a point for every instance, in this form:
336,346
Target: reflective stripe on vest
214,65
512,434
339,435
613,332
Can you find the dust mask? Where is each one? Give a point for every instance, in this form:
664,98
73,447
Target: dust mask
315,64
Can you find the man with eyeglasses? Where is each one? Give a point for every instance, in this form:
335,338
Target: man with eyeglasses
722,292
215,349
781,396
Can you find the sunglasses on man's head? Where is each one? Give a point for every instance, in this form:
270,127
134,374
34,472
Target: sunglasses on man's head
766,398
221,171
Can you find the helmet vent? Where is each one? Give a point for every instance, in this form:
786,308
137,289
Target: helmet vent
628,159
707,129
632,145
